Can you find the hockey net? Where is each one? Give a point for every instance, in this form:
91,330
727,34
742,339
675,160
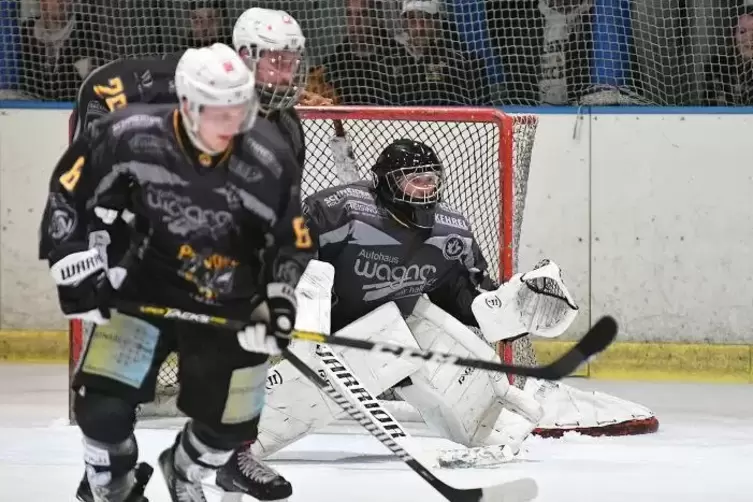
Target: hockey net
486,155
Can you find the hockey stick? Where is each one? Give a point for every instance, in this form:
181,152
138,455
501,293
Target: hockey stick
385,429
594,341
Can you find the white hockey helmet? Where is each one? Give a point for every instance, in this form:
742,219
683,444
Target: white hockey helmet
273,33
213,76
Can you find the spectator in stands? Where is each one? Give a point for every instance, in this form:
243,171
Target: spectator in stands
730,74
355,74
60,48
428,71
208,24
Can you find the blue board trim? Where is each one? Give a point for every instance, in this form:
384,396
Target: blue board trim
35,105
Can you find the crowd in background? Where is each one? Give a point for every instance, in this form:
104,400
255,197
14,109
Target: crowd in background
416,52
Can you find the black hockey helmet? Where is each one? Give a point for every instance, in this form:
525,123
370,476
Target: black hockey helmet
408,177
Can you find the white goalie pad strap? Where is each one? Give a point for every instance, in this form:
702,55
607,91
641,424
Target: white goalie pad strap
379,372
313,295
462,404
536,302
566,407
295,407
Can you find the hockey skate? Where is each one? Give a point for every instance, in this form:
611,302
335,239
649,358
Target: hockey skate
181,489
142,474
246,475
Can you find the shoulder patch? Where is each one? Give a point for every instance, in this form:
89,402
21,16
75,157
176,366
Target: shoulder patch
348,192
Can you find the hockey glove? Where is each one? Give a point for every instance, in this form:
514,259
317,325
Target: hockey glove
79,274
271,338
282,307
257,338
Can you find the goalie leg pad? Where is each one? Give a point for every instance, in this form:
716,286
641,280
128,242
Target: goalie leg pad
296,407
463,403
460,403
567,408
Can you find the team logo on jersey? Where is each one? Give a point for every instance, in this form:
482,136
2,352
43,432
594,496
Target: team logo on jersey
212,273
62,221
183,217
454,248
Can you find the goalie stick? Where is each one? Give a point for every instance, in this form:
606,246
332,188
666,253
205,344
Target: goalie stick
594,341
342,153
387,431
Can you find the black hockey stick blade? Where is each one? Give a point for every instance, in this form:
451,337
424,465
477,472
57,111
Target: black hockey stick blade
522,490
598,338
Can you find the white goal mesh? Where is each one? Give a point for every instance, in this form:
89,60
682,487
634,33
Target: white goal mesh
665,52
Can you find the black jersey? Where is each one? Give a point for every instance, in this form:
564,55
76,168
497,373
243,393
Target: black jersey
378,259
290,126
220,227
121,83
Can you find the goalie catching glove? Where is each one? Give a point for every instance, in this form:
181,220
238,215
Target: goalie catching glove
536,302
272,337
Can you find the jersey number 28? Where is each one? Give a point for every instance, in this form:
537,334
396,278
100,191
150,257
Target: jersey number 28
112,94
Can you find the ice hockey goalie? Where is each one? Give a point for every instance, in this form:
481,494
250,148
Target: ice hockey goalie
408,270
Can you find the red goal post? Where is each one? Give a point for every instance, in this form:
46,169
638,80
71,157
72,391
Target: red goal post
486,154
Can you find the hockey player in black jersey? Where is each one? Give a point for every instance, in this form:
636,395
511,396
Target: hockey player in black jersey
216,222
273,46
124,82
277,58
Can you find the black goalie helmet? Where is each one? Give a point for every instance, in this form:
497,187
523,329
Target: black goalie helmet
408,178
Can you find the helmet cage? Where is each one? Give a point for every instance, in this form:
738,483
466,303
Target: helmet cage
399,178
272,95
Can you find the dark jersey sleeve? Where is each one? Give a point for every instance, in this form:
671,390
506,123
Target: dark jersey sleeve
456,292
121,83
84,178
291,246
292,129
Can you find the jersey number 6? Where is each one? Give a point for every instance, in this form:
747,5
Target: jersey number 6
112,94
302,234
69,179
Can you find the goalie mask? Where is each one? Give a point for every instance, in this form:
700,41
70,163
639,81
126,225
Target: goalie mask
272,45
408,180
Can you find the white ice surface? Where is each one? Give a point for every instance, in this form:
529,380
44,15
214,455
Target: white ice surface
703,451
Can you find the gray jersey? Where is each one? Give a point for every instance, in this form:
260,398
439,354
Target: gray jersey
378,260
